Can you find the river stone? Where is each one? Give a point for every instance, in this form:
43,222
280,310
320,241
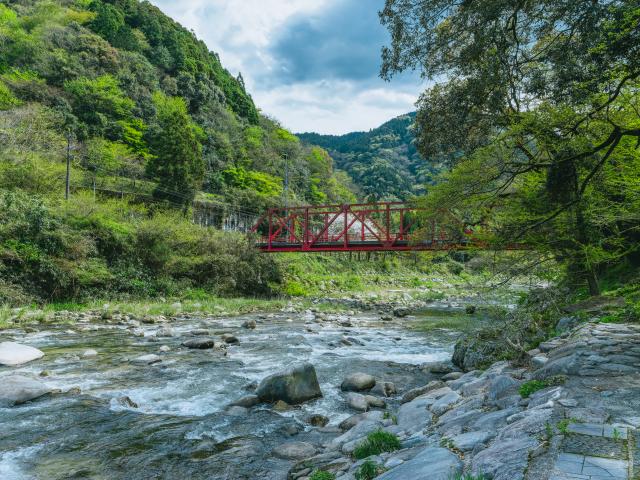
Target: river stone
199,343
13,354
165,332
147,359
249,324
295,385
90,353
294,451
17,389
432,463
281,406
317,420
247,401
439,367
230,339
384,389
375,402
357,402
452,376
357,382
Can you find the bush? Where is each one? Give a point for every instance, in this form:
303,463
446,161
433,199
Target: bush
376,443
368,471
322,475
529,388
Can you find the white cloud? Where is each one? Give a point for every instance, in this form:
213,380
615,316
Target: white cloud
242,32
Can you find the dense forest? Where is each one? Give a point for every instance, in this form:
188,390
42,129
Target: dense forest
384,162
146,113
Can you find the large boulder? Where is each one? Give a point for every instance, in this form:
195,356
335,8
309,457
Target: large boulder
13,354
17,389
295,385
357,382
432,463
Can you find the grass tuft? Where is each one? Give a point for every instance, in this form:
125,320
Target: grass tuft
376,443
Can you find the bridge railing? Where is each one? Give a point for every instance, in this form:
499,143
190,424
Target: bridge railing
353,227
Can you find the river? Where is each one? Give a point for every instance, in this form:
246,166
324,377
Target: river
176,426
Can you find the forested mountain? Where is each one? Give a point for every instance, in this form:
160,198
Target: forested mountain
384,162
145,113
143,98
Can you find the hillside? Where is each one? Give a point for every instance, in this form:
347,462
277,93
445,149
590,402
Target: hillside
150,121
384,162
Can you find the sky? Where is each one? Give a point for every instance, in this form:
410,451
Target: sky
311,64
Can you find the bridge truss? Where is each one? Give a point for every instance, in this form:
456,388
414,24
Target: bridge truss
386,226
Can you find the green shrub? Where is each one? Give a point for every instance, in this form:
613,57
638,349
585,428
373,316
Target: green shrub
529,388
368,471
322,475
376,443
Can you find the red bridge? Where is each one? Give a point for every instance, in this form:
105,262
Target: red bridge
388,226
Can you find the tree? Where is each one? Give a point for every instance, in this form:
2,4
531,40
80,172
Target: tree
175,144
539,101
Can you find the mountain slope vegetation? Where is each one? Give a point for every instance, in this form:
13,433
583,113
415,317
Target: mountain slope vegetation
150,121
384,162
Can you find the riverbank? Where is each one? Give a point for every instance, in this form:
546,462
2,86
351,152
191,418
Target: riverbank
570,413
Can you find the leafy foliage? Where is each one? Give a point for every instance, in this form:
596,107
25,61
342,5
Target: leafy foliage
538,116
376,443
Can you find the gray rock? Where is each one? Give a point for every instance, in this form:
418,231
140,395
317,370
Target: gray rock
358,382
375,402
467,442
353,420
500,386
247,401
493,421
294,451
89,353
432,463
416,392
165,332
147,359
414,416
317,420
452,376
539,361
357,401
230,339
199,332
384,389
249,324
237,411
199,343
17,389
439,367
294,385
445,402
505,460
13,354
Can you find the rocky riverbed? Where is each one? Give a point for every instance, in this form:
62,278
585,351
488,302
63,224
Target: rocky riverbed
115,396
284,395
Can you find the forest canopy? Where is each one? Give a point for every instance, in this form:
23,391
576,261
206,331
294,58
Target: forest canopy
535,109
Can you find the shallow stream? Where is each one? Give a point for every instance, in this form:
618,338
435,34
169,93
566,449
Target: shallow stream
179,429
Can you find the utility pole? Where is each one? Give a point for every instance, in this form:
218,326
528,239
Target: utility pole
286,180
68,177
